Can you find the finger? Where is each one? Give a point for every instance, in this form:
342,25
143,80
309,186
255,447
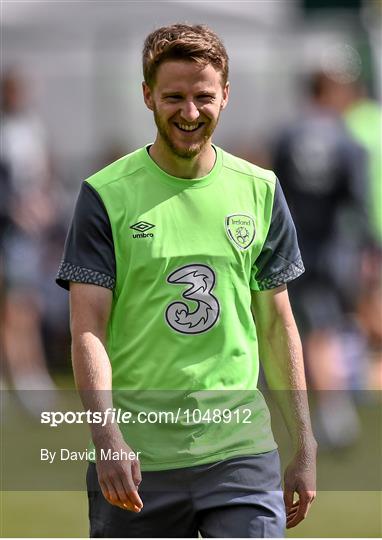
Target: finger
104,489
124,499
112,494
120,490
292,519
303,507
293,522
291,514
124,506
294,507
131,491
131,507
136,472
128,505
135,498
292,511
288,499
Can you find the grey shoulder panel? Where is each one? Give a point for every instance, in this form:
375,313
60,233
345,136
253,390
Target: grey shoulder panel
89,255
280,259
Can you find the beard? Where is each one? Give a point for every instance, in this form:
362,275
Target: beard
182,151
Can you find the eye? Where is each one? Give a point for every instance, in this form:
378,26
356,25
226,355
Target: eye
173,98
206,98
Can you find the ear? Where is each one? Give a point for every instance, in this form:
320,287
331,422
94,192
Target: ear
225,96
147,96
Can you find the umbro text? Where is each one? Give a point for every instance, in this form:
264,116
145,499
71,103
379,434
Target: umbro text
143,235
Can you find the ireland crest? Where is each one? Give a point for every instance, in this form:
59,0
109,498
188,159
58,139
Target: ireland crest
240,229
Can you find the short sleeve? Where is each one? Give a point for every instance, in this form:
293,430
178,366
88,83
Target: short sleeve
280,260
89,249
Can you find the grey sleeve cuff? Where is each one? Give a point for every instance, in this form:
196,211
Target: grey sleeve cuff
289,273
68,272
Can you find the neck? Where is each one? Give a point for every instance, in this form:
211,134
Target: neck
188,168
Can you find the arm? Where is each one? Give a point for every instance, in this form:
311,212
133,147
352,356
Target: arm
282,360
90,307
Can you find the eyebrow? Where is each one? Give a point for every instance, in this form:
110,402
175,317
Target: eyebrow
179,92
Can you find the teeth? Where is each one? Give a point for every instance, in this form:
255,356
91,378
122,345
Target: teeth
188,128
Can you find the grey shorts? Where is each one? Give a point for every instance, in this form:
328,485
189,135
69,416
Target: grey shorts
238,497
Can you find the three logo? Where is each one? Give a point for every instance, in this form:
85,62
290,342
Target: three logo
200,280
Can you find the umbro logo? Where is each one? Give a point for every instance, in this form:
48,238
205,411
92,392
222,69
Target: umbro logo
142,227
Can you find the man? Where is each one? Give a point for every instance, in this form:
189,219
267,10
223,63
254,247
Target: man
166,247
30,219
324,174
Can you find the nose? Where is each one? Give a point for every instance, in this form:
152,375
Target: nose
189,111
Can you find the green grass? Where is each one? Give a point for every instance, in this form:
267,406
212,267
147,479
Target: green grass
339,514
56,514
44,514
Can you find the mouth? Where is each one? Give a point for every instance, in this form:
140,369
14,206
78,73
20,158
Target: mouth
189,128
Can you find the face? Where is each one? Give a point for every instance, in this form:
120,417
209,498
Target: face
186,99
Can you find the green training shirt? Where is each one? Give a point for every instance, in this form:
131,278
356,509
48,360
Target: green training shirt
181,257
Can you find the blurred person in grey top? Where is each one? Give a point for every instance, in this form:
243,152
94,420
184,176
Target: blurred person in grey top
31,213
323,174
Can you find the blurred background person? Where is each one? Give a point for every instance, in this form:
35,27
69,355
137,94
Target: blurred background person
324,176
363,118
29,217
5,203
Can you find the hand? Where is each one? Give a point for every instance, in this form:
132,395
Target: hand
119,478
300,478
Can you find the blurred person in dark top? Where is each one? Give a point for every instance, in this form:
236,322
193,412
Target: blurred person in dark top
363,118
31,213
5,201
323,174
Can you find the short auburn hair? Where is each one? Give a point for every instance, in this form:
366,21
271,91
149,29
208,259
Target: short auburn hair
196,43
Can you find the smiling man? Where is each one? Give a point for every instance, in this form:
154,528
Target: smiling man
177,261
186,100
